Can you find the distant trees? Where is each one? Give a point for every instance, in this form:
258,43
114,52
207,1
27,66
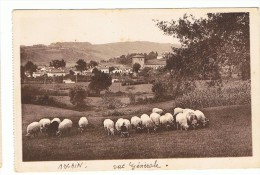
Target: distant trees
92,64
100,81
81,65
58,63
30,67
136,67
111,69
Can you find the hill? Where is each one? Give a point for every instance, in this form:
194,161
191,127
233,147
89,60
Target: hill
72,51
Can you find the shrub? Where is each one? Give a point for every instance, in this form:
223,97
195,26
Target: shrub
77,96
111,102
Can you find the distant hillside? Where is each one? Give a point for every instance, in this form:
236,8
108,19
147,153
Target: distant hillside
72,51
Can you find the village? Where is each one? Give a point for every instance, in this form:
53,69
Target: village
114,69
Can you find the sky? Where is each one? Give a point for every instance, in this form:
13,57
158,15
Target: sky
94,26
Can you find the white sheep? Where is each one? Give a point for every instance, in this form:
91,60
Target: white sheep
33,129
181,122
177,111
187,110
157,110
119,123
127,123
109,126
83,123
167,120
56,119
202,120
44,123
64,127
155,118
136,123
147,123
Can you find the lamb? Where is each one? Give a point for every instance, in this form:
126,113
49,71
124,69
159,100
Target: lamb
177,111
167,120
181,122
33,129
155,118
44,124
157,110
56,119
109,126
202,120
148,123
83,123
64,127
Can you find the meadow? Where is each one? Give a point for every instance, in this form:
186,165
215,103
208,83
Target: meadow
228,135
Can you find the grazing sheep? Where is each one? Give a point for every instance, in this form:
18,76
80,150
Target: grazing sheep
136,123
147,123
83,123
64,127
177,111
157,110
109,126
33,129
191,119
187,110
52,128
155,118
181,122
202,120
119,123
56,119
167,120
127,123
44,124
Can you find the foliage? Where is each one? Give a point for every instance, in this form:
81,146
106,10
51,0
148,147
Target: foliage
111,69
208,43
77,96
136,67
145,72
92,64
100,81
30,67
81,65
58,63
111,102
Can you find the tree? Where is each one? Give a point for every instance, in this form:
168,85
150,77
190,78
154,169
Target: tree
136,67
111,69
100,81
158,90
30,67
93,63
22,73
72,72
77,96
145,72
58,63
222,37
81,65
207,44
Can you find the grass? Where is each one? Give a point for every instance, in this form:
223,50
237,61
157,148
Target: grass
228,135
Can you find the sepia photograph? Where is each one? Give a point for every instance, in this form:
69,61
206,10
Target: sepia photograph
145,87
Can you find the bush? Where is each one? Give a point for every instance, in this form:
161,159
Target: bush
77,96
111,102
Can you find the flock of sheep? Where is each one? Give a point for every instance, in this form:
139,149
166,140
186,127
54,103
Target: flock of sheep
181,119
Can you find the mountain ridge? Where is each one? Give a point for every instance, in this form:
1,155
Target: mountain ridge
73,51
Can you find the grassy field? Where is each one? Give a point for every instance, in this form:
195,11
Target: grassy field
228,135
